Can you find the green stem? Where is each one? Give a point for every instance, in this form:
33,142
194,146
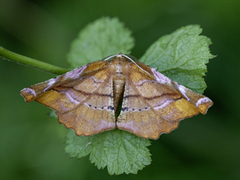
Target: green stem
14,57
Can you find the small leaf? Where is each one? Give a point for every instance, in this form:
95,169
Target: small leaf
102,38
119,151
78,146
181,56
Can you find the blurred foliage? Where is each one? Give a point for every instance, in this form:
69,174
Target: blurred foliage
204,147
101,38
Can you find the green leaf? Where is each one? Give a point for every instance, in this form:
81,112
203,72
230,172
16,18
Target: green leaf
119,151
104,37
78,146
181,56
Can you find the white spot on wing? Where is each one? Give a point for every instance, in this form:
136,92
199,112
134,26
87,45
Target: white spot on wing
29,91
203,101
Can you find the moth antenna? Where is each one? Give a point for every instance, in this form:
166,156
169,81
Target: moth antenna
109,57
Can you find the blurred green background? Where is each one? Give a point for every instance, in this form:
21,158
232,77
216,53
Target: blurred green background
32,143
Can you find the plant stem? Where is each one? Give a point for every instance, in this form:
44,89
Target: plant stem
14,57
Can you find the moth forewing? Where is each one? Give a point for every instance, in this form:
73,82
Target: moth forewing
87,98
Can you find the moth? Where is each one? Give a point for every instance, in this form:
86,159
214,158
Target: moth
86,99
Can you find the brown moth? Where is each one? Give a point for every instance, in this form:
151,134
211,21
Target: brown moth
87,98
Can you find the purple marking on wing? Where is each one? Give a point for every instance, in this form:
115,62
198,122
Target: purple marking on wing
50,83
74,74
164,104
141,82
71,97
182,89
127,125
160,77
102,124
29,91
77,98
169,116
63,108
203,101
97,80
